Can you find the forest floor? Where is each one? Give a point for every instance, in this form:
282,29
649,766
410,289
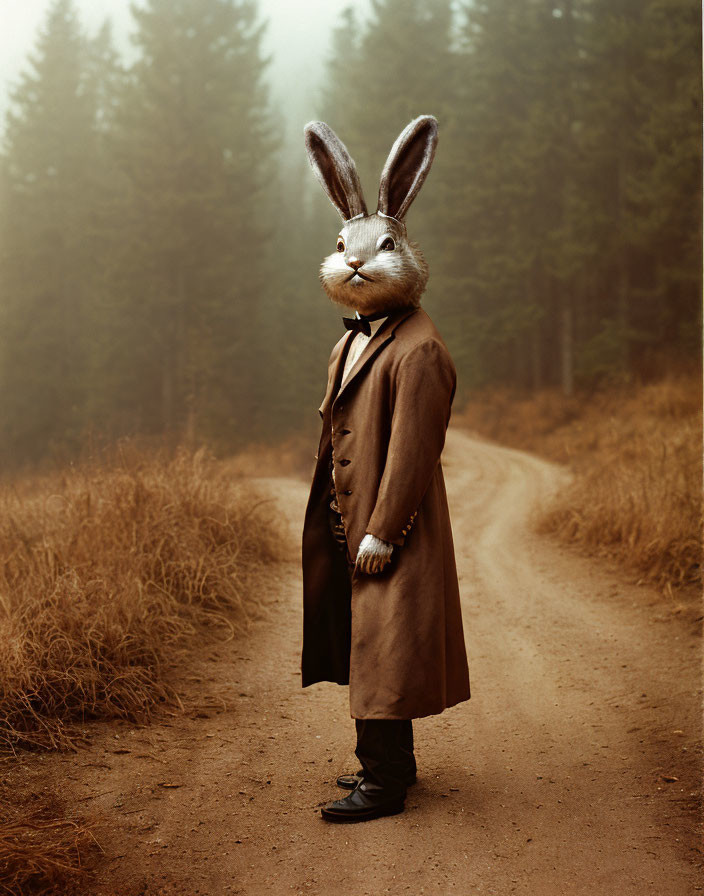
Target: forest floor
573,769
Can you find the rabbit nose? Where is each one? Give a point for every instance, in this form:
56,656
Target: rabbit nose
354,263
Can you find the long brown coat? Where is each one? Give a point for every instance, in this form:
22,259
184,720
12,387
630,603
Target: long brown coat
402,651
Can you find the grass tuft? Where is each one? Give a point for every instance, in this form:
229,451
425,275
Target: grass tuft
41,850
106,573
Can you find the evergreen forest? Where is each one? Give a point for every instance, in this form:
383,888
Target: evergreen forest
160,237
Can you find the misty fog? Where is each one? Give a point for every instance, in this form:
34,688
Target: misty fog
162,231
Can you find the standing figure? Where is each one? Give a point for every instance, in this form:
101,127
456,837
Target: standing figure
381,603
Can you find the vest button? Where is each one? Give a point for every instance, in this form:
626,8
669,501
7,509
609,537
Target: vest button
344,462
344,432
347,491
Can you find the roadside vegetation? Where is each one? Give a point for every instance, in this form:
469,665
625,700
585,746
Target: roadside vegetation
109,574
636,452
42,850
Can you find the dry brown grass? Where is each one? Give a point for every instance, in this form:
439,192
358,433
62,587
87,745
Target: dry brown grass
108,575
105,574
636,454
41,850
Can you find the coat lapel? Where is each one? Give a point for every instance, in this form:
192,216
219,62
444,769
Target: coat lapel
334,371
382,337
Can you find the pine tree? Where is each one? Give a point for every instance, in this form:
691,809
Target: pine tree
612,117
577,128
106,410
498,222
48,270
665,193
194,143
555,203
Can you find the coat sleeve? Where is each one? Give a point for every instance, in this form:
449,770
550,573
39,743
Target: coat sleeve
425,387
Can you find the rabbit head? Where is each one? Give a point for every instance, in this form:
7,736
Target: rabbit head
375,267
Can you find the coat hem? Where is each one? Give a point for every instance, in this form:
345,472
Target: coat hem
416,715
307,684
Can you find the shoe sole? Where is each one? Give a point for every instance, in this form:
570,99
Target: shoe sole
351,786
347,818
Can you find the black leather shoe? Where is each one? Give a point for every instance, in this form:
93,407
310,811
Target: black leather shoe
363,804
349,782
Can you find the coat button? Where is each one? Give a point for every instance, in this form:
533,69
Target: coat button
347,491
344,462
344,432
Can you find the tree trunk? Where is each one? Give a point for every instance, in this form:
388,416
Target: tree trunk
167,394
536,334
623,315
566,345
536,358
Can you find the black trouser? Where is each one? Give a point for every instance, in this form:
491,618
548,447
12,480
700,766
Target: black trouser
384,746
385,751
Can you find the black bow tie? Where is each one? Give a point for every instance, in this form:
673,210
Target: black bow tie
361,324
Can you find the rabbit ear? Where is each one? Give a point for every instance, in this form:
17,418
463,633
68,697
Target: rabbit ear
407,166
334,169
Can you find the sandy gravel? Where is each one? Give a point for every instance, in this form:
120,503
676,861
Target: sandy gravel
550,780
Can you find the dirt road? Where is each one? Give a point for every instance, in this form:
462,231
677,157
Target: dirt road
550,780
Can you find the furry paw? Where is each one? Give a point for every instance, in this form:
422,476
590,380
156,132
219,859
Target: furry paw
373,554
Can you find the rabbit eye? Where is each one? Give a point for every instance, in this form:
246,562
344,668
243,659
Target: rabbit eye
340,245
388,245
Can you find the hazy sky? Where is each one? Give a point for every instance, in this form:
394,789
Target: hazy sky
297,36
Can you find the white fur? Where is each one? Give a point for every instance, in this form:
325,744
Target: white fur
373,554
